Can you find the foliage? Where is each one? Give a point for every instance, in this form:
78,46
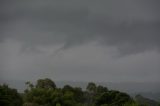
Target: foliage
113,98
9,97
91,87
45,93
45,83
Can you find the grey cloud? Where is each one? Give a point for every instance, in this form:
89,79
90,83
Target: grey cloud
79,63
132,26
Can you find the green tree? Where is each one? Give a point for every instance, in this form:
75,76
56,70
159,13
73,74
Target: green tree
113,98
79,95
91,92
45,83
29,84
100,89
77,92
45,93
91,87
9,96
30,104
67,88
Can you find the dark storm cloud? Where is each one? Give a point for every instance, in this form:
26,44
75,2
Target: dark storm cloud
130,25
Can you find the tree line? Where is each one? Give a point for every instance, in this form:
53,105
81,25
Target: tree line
45,93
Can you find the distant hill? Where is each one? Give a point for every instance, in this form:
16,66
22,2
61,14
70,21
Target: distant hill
145,101
150,95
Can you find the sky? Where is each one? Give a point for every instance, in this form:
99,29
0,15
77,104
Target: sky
80,40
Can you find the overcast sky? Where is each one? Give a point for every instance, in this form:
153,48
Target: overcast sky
80,40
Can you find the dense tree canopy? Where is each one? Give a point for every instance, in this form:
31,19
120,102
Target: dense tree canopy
45,83
45,93
113,98
9,97
91,87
